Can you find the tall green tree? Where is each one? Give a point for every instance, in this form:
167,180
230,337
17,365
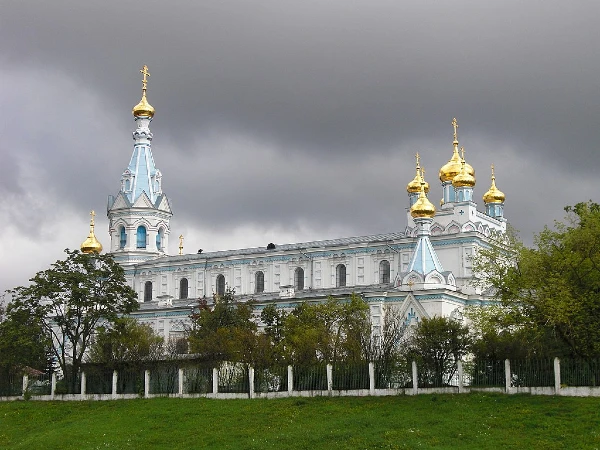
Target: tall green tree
70,299
125,341
23,342
552,289
332,331
223,331
437,344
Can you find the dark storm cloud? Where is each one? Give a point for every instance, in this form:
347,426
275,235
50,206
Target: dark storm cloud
280,112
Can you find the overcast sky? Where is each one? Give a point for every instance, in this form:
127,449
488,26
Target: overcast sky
284,121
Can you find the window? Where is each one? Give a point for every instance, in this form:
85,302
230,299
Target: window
384,272
183,288
259,280
141,237
159,239
220,285
299,279
123,237
148,291
340,275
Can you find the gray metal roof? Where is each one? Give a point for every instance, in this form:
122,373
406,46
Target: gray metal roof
299,247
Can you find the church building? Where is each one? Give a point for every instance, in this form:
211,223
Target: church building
423,270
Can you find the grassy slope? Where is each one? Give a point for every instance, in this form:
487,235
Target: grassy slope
474,421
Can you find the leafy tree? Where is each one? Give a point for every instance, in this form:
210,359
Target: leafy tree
553,289
437,344
333,331
23,342
224,330
387,348
70,299
125,341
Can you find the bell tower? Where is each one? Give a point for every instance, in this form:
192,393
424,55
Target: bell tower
139,214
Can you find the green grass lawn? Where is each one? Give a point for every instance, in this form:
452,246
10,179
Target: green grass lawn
470,421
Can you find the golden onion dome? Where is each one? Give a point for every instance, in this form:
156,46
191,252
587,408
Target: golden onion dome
422,207
454,165
143,108
414,186
494,195
91,244
463,179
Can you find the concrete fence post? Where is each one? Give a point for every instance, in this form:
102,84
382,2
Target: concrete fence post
371,378
215,380
461,386
115,379
180,379
556,376
507,375
146,383
53,386
83,384
329,378
415,378
290,380
25,383
251,382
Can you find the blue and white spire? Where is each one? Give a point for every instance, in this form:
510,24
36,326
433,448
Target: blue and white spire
139,215
142,175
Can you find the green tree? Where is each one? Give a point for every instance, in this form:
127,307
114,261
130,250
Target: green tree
125,341
332,331
23,342
437,344
223,331
553,289
70,299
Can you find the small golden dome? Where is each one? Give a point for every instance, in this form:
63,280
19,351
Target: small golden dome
422,207
463,179
415,185
143,108
494,195
453,167
91,244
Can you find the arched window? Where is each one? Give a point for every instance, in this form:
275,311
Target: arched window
141,237
220,285
384,272
159,239
340,275
259,280
183,288
299,278
148,291
123,237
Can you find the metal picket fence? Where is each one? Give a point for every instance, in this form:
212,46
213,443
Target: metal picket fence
532,372
348,376
580,372
310,378
271,379
198,379
485,373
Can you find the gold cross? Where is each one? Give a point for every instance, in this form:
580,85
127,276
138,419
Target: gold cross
181,244
418,159
455,125
144,71
92,214
462,152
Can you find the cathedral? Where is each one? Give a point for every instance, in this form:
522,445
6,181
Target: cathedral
423,270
